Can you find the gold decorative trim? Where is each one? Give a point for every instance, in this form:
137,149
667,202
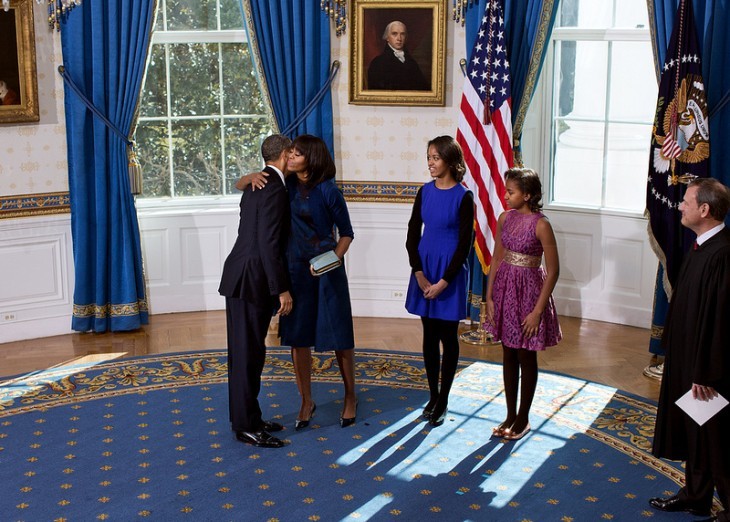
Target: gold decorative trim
110,310
34,205
373,191
653,32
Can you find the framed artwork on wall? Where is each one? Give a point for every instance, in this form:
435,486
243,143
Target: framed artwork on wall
18,80
398,52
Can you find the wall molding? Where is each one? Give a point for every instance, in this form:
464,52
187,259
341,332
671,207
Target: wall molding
34,205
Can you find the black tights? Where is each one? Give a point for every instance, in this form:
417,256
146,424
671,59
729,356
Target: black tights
446,333
516,359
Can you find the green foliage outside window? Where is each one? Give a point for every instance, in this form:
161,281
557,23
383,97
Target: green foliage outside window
202,115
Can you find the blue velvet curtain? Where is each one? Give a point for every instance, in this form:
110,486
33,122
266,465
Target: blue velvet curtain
528,25
105,47
712,18
293,41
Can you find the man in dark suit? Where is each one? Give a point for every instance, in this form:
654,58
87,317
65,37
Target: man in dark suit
697,343
395,69
255,281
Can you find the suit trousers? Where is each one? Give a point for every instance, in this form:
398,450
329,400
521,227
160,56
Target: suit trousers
247,325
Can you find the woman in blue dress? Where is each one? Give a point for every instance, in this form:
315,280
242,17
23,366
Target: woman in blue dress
321,316
438,243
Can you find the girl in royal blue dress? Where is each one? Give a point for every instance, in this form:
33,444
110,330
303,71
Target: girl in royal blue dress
520,307
438,242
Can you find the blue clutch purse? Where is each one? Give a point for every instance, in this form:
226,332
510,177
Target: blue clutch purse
323,263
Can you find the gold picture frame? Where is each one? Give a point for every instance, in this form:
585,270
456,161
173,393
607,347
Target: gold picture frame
377,75
19,87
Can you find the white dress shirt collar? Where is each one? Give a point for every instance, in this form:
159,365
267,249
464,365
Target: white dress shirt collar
707,235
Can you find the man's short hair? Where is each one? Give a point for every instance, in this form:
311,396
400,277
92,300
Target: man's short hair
715,194
387,28
273,146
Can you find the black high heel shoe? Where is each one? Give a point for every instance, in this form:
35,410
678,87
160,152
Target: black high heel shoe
428,410
348,421
301,424
437,419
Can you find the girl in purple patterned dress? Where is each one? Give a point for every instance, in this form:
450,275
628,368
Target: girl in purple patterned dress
520,307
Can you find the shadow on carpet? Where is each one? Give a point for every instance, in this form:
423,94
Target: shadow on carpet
149,437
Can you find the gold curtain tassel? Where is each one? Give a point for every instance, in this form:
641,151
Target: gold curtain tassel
135,170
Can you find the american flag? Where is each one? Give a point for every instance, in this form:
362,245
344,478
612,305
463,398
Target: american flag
485,128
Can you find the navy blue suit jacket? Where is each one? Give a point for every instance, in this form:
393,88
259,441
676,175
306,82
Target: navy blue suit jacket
256,269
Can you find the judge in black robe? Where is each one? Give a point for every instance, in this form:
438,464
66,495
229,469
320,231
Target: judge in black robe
697,343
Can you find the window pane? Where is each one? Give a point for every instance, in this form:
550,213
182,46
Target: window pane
578,166
633,90
154,93
194,80
586,13
628,16
160,21
196,157
186,15
243,144
231,17
582,79
627,166
152,151
240,86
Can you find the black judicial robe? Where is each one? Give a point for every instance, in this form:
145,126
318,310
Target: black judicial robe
697,343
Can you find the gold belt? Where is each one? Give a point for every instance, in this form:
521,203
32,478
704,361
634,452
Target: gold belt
517,259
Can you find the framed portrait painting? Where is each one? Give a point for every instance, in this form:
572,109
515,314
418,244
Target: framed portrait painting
398,52
18,80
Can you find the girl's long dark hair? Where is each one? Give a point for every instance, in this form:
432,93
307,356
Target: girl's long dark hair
450,151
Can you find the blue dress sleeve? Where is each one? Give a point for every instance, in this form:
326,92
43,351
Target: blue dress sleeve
337,208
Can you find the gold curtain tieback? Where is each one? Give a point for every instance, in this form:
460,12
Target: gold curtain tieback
517,259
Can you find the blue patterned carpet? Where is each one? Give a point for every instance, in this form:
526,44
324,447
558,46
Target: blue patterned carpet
149,438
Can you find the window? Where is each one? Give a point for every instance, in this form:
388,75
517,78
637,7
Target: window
202,115
604,92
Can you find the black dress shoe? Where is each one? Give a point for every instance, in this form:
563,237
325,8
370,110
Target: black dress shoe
272,426
262,439
675,504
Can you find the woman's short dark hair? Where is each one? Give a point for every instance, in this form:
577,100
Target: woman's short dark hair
529,183
715,194
450,151
320,164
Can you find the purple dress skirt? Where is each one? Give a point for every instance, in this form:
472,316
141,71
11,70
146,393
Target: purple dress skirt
517,286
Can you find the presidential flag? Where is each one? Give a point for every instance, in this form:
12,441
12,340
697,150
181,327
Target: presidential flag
485,128
680,146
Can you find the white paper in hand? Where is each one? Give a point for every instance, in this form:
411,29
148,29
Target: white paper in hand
701,411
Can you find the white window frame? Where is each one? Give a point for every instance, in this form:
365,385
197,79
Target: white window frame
222,36
550,93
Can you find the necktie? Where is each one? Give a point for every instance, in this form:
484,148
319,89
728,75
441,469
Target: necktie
401,55
695,246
